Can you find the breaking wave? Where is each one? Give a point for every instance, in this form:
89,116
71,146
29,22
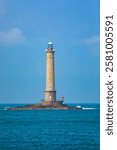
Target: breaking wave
89,108
4,108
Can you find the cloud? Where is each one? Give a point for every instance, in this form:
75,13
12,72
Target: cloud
89,41
92,40
12,36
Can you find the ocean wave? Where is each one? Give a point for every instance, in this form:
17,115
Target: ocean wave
87,108
6,108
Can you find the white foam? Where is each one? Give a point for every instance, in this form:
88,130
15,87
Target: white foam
6,108
88,108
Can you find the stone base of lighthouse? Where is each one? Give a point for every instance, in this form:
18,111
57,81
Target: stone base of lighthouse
50,96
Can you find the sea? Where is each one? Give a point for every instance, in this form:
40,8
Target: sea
50,129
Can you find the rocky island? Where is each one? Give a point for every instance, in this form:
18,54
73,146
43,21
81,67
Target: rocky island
46,106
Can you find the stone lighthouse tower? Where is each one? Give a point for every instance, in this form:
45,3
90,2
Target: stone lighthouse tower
50,92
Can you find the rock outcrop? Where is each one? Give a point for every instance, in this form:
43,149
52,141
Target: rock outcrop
45,105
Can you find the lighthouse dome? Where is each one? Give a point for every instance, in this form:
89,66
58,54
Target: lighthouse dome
50,45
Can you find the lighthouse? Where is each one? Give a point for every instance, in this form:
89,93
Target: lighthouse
49,101
50,92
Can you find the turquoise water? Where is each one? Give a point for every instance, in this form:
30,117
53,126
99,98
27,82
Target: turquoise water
50,129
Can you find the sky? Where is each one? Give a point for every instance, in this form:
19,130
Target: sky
26,26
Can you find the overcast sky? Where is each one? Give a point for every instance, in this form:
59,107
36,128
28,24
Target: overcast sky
26,26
